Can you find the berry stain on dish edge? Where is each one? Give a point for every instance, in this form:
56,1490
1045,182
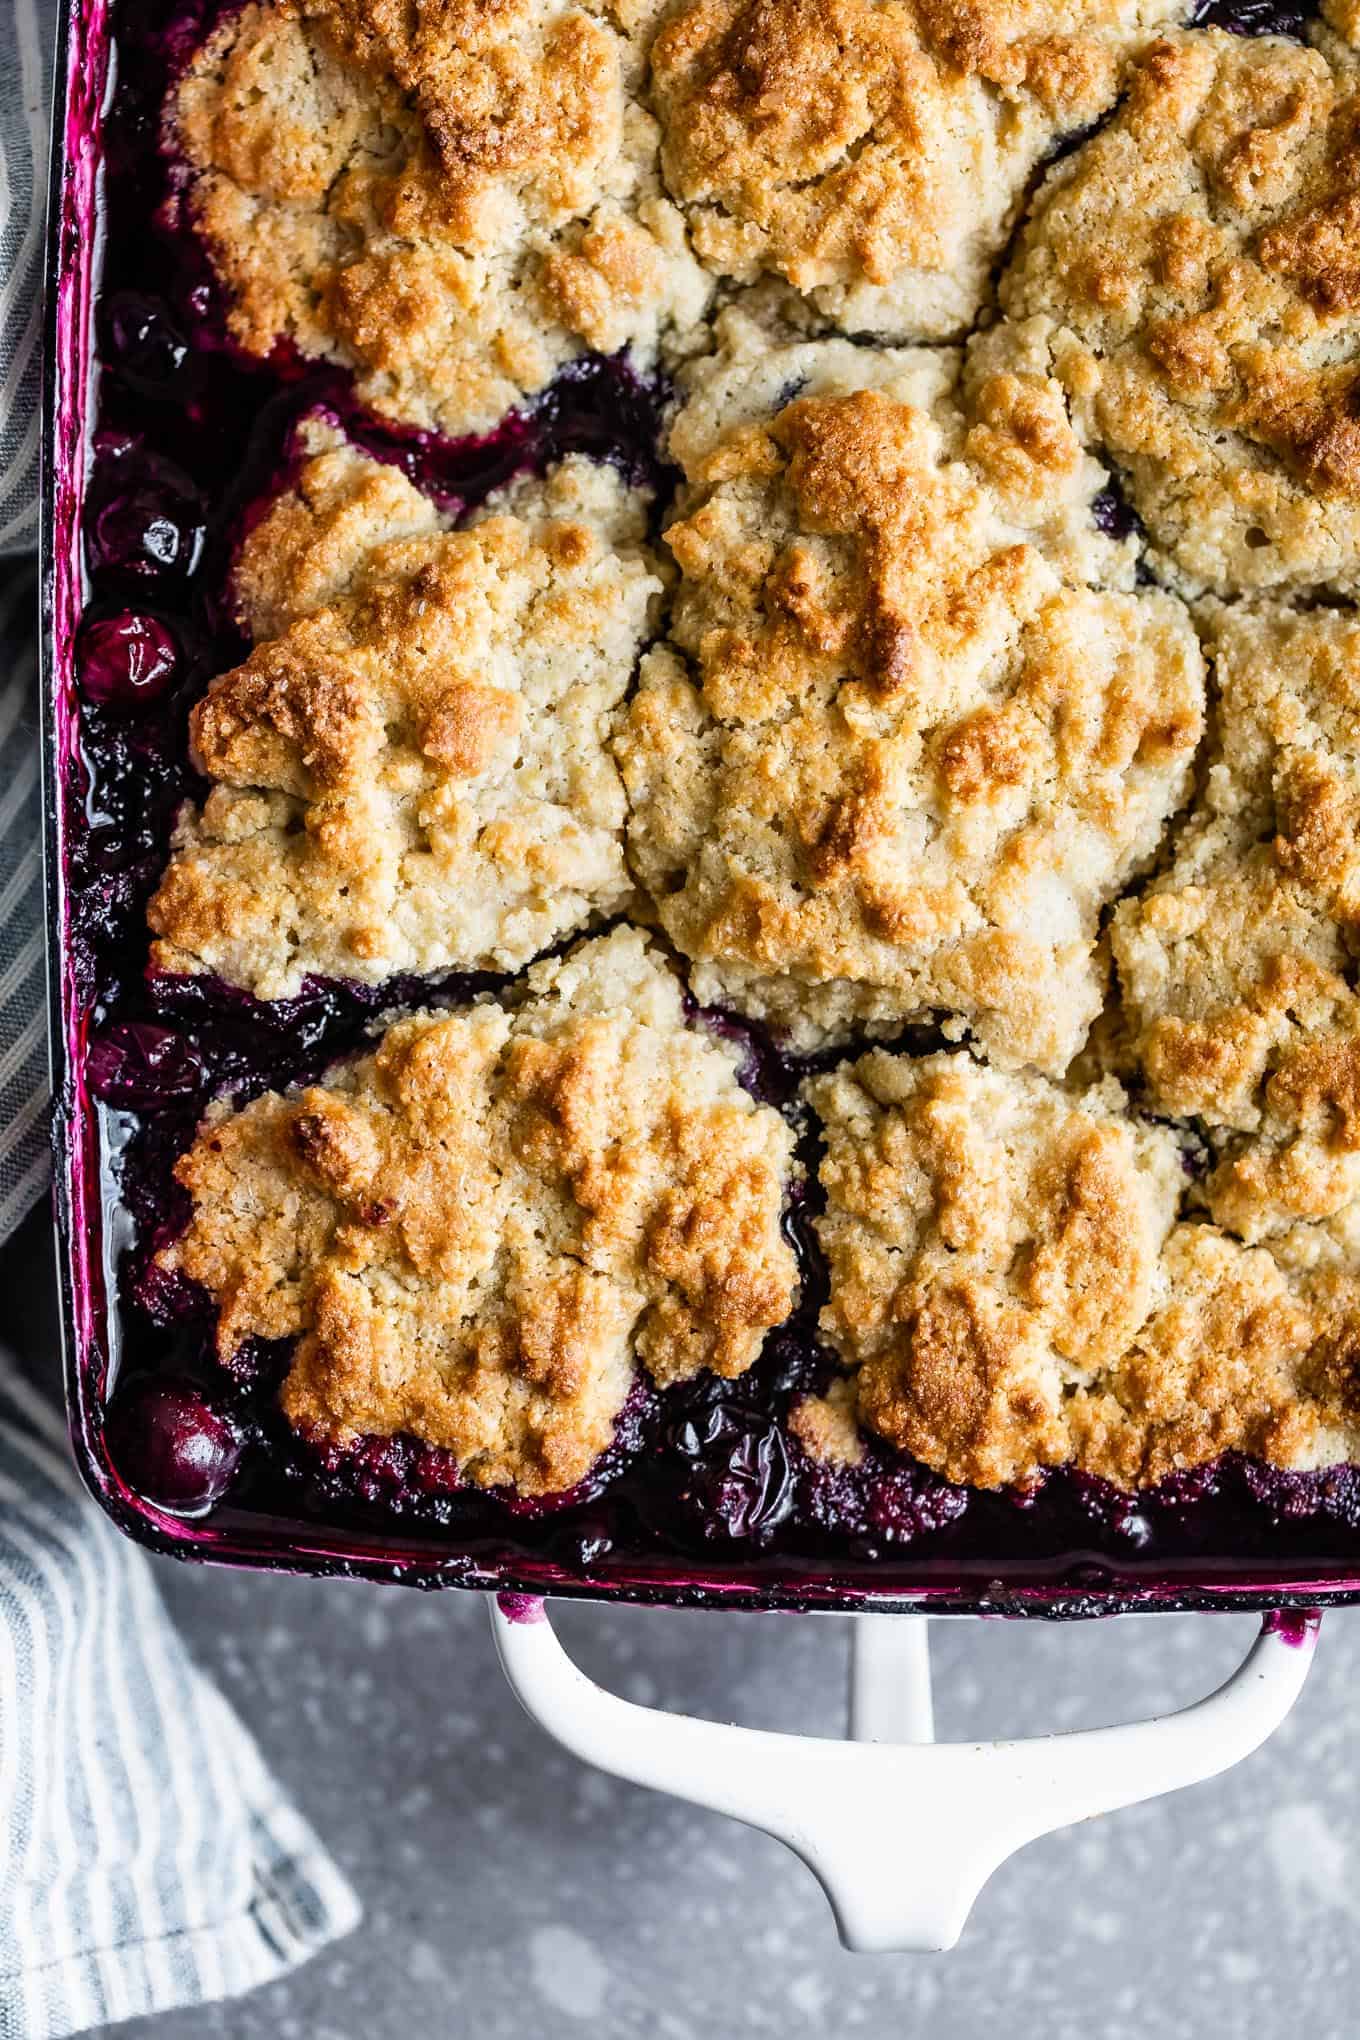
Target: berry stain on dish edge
1293,1626
521,1608
191,440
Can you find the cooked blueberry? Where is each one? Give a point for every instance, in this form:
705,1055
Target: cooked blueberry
791,1360
127,660
762,1070
909,1502
436,1472
261,1363
167,1296
737,1482
1182,1493
1340,1495
147,521
142,341
602,407
138,1066
1112,514
171,1446
1289,1496
885,1499
107,851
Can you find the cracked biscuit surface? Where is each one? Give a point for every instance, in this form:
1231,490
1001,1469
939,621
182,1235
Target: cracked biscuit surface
875,152
1191,275
412,773
1237,965
477,1231
452,198
910,749
1012,1285
921,744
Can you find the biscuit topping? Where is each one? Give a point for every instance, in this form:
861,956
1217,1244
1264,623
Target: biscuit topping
912,749
413,774
885,192
1237,965
902,724
475,1232
1011,1283
453,199
1191,276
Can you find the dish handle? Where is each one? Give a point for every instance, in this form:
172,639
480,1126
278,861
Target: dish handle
901,1832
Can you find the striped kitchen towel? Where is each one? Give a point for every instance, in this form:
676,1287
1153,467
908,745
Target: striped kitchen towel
147,1857
23,1021
25,90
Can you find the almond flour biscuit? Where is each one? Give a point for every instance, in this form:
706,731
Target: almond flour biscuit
1237,965
476,1232
413,773
827,1426
1192,276
874,153
318,536
910,750
450,200
1011,1283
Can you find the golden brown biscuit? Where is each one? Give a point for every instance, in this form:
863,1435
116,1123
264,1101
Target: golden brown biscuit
874,153
1011,1283
917,739
475,1232
451,200
1237,964
1191,275
413,774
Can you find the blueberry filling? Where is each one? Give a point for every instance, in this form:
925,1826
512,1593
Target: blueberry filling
1256,17
192,439
145,521
139,337
1112,513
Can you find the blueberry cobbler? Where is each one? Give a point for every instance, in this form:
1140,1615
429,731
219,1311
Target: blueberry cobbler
719,886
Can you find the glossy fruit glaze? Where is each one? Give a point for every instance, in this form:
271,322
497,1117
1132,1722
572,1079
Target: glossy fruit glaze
705,1490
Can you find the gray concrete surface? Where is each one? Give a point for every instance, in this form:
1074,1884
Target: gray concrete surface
511,1893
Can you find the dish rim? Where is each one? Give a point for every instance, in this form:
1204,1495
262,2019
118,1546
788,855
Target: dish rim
83,79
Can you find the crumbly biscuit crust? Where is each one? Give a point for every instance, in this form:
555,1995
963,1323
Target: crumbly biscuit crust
911,749
1237,965
477,1231
884,191
452,200
911,741
827,1426
413,774
1012,1285
1191,275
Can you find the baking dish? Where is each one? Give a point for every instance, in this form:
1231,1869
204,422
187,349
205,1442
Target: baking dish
1255,1559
